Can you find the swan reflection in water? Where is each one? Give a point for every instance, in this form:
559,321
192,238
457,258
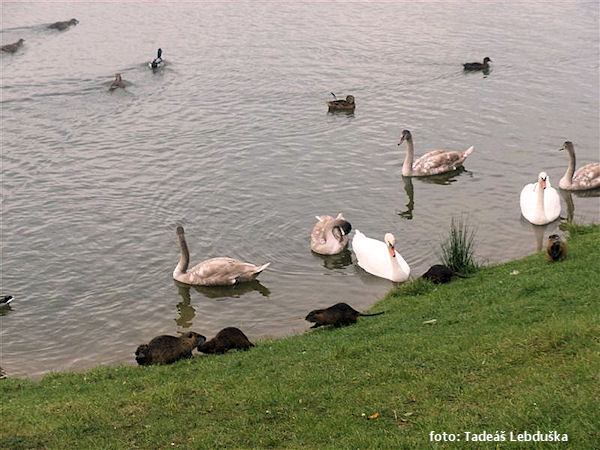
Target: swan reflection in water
444,179
337,261
567,196
234,291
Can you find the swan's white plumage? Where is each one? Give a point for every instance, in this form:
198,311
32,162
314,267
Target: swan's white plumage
538,205
374,257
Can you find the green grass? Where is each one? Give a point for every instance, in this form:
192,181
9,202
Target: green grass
513,348
458,250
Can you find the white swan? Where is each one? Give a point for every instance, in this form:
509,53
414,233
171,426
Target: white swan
540,203
431,163
380,258
586,177
214,271
330,236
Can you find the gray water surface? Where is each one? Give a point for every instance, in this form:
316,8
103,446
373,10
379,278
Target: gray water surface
233,141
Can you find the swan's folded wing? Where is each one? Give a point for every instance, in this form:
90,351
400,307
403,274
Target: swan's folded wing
438,159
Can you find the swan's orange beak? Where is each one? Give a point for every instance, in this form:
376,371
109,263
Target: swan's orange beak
543,184
392,251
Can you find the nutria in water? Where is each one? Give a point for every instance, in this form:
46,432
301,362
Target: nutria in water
168,349
336,315
227,339
440,274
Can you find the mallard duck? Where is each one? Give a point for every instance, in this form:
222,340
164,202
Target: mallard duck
586,177
345,105
540,203
380,258
158,61
63,25
214,271
431,163
477,65
556,249
117,83
12,48
330,236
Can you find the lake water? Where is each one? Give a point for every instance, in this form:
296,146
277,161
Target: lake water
233,141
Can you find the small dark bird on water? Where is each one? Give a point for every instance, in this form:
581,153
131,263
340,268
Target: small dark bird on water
157,62
337,315
556,249
440,274
12,48
341,105
477,65
5,300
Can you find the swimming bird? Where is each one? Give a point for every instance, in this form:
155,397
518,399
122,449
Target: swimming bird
586,177
380,258
117,83
431,163
5,300
158,61
341,105
477,65
556,249
215,271
540,203
12,48
63,25
330,236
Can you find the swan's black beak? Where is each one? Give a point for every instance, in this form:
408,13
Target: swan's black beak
401,140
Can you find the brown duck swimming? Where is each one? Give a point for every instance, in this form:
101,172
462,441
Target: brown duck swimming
12,48
117,83
477,65
342,105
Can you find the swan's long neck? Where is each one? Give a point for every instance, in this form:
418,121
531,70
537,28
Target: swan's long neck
399,266
568,176
539,204
407,167
184,259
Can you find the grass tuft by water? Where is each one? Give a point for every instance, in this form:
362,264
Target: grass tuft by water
458,250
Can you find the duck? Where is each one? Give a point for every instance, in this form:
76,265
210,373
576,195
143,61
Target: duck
477,65
380,258
556,249
61,26
431,163
344,105
585,178
5,300
540,203
117,83
219,271
158,61
12,48
330,236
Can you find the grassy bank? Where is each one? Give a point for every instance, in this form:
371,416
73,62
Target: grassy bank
514,348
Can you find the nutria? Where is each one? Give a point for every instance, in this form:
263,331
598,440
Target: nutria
168,349
556,250
440,274
336,315
63,25
12,48
117,83
227,339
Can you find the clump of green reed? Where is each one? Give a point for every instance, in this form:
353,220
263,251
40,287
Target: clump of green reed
459,248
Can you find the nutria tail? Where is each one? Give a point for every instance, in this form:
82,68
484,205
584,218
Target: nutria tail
141,354
376,314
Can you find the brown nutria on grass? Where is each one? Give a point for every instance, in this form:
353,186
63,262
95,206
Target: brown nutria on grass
168,349
229,338
440,274
556,250
336,315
